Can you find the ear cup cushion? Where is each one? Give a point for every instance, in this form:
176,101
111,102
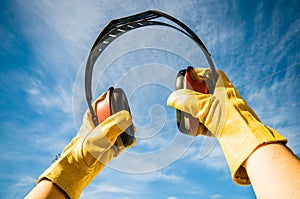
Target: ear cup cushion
118,102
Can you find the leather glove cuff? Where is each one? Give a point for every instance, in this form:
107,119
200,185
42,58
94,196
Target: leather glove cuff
69,175
239,140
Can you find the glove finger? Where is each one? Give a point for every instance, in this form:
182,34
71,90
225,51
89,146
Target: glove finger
115,124
195,103
103,137
99,161
106,133
132,144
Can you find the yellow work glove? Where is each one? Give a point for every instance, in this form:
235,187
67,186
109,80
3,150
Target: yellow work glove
227,115
87,153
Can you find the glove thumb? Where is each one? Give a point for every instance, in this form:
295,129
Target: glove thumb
195,103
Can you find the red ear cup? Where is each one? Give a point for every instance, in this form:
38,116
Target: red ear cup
187,124
115,101
103,106
195,82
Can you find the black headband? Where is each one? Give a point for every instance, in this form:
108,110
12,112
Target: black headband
118,27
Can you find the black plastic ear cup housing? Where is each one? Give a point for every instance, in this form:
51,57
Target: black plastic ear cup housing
186,123
119,102
181,117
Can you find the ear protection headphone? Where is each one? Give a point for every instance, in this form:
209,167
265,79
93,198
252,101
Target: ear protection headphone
113,30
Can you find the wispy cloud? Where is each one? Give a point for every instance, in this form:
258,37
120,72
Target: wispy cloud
9,39
44,99
24,181
216,196
208,153
21,182
100,188
146,162
71,34
172,197
60,35
280,92
146,185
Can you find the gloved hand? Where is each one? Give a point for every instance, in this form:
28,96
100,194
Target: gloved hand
227,115
88,152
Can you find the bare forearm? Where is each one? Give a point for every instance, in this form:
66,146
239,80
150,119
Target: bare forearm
46,190
274,172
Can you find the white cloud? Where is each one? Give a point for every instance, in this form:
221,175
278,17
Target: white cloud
131,185
141,185
172,197
24,181
61,33
216,196
109,188
94,190
275,99
146,162
45,97
64,37
208,154
123,197
159,175
166,175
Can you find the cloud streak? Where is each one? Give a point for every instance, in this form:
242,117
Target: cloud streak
60,34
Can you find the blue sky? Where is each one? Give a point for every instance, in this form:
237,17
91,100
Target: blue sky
43,48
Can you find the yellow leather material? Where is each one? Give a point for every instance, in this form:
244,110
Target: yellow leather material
87,153
227,115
